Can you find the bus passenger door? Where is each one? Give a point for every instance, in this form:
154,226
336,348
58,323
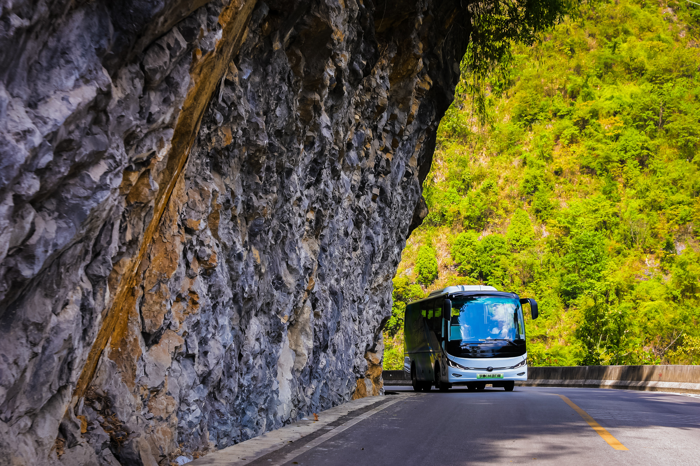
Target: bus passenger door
444,334
423,355
436,327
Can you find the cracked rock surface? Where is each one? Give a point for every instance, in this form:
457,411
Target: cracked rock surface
202,205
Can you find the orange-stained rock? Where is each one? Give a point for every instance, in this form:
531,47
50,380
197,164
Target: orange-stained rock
227,136
193,224
128,180
199,199
179,310
214,217
162,405
162,439
83,423
125,347
154,307
210,262
158,359
194,299
372,383
144,190
163,260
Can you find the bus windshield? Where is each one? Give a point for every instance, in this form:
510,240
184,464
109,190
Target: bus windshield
486,318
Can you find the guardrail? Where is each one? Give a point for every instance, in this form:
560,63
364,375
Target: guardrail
682,379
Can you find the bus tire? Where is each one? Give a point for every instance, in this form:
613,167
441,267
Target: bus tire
509,386
471,387
480,386
417,386
439,384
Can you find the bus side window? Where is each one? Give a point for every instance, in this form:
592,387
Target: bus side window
436,323
430,314
425,309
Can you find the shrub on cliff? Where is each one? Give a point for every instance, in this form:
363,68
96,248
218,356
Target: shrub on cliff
493,260
426,265
520,234
463,252
404,292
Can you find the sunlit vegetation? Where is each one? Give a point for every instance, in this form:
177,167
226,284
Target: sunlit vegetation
578,186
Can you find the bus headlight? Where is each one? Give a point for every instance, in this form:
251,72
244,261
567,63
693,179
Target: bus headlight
454,365
520,364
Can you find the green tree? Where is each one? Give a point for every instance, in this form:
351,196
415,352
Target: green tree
426,265
493,260
603,334
584,263
686,275
520,234
463,252
404,292
688,352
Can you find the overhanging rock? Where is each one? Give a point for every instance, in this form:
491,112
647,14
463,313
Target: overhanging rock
202,205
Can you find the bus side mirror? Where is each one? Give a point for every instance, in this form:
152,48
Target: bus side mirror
533,306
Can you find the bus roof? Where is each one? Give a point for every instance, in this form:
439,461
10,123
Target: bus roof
456,288
460,289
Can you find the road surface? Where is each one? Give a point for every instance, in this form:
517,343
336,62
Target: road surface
543,426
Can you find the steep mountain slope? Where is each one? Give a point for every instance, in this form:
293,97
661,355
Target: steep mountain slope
582,189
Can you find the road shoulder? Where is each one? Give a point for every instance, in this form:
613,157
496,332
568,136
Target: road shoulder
294,439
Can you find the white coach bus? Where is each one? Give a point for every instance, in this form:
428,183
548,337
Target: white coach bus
466,335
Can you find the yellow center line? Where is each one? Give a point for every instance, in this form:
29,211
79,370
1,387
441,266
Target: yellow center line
607,436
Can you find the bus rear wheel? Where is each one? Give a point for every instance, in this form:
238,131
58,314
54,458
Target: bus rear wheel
417,385
480,386
508,386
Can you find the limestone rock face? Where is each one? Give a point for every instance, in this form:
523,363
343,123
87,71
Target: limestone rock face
202,205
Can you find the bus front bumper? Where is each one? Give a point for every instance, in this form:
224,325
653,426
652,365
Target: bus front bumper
456,376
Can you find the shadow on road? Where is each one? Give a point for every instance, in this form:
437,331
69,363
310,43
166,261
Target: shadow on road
461,427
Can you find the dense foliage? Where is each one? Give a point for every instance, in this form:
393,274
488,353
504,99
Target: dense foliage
581,190
426,265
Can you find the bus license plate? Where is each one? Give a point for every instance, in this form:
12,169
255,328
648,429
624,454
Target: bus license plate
489,376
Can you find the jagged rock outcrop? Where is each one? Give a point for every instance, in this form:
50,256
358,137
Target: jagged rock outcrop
202,205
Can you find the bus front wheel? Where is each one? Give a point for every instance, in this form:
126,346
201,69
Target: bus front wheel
509,386
439,384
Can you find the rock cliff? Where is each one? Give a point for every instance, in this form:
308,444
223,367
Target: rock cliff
202,205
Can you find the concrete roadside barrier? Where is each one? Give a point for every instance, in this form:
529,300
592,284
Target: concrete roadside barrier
396,378
681,379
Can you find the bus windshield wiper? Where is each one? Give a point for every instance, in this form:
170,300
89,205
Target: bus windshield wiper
505,339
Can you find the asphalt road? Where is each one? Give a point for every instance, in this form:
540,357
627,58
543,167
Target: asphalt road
527,426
